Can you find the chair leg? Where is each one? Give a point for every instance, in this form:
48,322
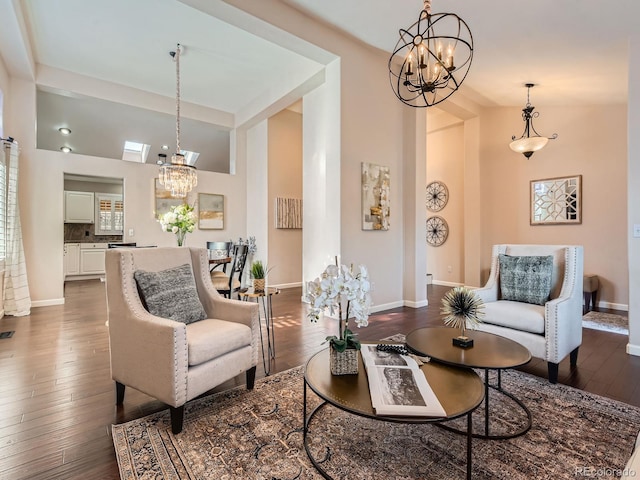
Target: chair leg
119,393
573,357
177,418
585,308
553,372
251,378
594,294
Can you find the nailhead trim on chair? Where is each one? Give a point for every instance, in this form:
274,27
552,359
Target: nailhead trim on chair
138,309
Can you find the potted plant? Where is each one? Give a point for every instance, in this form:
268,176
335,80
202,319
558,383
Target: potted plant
344,291
258,273
180,219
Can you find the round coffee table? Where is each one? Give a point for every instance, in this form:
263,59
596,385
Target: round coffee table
459,391
489,352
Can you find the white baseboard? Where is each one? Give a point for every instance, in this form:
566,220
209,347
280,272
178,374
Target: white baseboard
633,349
47,303
447,284
386,306
283,286
614,306
411,304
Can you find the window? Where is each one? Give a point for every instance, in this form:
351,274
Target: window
135,152
109,214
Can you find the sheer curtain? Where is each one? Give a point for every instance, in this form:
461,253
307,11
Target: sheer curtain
17,300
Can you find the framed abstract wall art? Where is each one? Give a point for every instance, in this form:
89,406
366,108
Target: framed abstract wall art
164,200
375,197
210,211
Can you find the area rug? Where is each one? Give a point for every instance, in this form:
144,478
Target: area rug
240,434
607,322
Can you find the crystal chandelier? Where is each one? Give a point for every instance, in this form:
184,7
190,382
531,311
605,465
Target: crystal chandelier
431,59
528,144
178,176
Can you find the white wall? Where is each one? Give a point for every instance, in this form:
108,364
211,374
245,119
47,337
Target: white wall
445,163
592,142
285,180
633,195
41,199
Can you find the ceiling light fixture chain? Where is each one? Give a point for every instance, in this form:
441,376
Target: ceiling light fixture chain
176,57
431,59
527,143
178,176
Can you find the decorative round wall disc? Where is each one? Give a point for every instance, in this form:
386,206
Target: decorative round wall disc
437,196
437,231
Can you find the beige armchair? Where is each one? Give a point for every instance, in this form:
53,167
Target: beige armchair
550,331
168,359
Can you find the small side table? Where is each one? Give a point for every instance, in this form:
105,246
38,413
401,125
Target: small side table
263,299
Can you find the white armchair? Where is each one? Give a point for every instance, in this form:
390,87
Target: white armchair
551,331
168,359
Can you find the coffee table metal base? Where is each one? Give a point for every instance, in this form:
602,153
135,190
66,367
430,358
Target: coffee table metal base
487,435
317,464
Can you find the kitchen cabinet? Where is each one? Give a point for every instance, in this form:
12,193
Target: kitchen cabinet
92,258
78,207
109,214
84,259
71,259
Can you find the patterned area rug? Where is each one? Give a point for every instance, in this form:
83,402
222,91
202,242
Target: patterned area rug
257,434
608,322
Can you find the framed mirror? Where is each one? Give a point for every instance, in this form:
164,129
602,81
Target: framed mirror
556,201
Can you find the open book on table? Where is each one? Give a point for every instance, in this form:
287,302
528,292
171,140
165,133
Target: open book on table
397,385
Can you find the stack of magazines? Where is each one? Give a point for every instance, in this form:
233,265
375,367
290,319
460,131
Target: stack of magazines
397,385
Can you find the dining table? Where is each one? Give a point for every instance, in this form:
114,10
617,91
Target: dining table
216,262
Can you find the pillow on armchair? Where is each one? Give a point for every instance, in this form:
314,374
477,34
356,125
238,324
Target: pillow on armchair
526,278
171,294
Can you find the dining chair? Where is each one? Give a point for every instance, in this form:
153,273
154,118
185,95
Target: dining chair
228,284
219,250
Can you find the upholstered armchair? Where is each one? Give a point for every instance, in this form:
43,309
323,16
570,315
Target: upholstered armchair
202,341
550,330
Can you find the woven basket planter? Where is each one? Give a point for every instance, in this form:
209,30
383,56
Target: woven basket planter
258,284
343,363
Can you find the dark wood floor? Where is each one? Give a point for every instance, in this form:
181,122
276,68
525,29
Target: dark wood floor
57,398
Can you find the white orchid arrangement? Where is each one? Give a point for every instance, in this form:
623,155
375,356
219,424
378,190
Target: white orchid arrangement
180,219
337,286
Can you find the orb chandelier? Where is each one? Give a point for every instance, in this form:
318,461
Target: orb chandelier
431,59
527,144
178,176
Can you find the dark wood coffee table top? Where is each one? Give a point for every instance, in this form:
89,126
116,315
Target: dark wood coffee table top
488,350
459,390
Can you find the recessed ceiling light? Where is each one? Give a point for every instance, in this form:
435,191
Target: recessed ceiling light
66,149
64,131
165,147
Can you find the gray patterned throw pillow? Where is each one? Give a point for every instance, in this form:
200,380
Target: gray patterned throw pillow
171,294
526,279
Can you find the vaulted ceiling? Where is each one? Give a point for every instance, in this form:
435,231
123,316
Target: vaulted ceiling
574,50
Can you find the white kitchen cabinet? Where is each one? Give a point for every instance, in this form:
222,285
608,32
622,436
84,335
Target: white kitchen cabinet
78,207
109,214
92,258
71,259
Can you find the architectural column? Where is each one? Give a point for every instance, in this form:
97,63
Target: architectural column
321,163
413,198
633,193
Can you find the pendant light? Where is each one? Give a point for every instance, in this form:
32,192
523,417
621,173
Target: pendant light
178,176
527,143
431,59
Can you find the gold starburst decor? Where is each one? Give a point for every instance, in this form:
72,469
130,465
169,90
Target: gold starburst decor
462,309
